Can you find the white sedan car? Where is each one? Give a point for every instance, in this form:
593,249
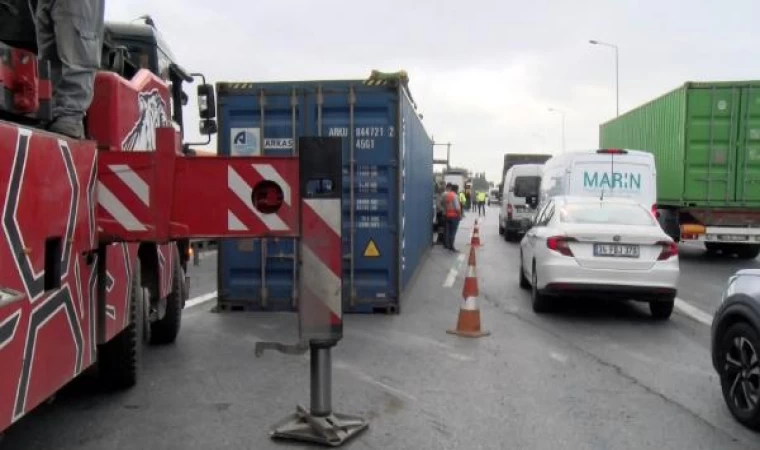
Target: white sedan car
609,248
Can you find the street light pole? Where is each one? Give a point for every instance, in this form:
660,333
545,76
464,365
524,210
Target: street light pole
617,72
562,113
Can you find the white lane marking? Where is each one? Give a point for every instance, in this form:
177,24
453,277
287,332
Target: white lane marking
460,357
206,254
452,275
558,356
693,312
450,278
367,378
195,301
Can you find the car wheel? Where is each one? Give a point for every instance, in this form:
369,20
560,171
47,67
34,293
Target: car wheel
501,229
661,309
509,236
524,283
739,364
538,300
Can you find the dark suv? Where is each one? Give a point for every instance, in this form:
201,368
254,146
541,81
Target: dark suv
736,346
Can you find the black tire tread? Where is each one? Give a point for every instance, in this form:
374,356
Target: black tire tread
540,303
165,330
524,283
119,359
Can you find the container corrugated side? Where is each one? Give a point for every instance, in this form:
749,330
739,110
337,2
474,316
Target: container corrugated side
267,277
371,228
656,127
748,143
416,191
706,140
723,144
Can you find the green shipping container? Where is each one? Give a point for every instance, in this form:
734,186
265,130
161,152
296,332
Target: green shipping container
705,138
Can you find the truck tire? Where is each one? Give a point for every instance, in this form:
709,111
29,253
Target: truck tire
165,330
748,251
742,251
119,359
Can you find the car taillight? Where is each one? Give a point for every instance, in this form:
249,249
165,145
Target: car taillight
669,250
509,211
560,244
655,213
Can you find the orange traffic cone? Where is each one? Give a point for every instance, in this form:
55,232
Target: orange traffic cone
468,323
475,241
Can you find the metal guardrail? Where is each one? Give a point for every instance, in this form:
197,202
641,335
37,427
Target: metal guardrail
201,245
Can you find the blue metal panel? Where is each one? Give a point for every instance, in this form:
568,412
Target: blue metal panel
244,263
370,132
416,191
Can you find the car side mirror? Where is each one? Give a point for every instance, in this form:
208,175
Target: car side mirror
532,201
206,102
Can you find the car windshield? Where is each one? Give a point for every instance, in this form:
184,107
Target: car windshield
527,186
606,214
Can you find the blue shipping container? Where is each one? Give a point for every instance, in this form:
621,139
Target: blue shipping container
387,222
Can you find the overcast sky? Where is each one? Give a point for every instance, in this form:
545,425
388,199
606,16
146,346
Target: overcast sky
484,73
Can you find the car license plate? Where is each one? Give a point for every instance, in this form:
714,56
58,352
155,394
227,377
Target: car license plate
732,237
617,250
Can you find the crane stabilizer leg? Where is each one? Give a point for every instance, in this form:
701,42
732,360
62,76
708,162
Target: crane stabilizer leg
319,424
320,311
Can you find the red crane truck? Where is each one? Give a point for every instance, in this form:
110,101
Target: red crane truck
95,232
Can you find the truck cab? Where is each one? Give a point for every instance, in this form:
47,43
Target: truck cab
128,47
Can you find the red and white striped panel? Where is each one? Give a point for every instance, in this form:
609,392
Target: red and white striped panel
320,279
123,199
242,216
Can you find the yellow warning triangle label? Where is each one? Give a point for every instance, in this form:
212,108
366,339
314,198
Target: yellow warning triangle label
371,251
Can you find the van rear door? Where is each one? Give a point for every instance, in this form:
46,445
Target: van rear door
617,175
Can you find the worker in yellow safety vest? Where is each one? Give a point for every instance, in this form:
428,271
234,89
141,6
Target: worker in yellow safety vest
453,213
481,198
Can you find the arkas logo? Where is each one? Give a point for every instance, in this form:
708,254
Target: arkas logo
152,115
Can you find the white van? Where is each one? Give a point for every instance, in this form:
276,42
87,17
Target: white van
520,194
493,197
607,172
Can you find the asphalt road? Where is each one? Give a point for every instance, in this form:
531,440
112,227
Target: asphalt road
591,375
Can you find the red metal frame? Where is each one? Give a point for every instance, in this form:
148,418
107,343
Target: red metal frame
78,192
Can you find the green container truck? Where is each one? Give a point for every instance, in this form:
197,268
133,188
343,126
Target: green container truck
705,137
